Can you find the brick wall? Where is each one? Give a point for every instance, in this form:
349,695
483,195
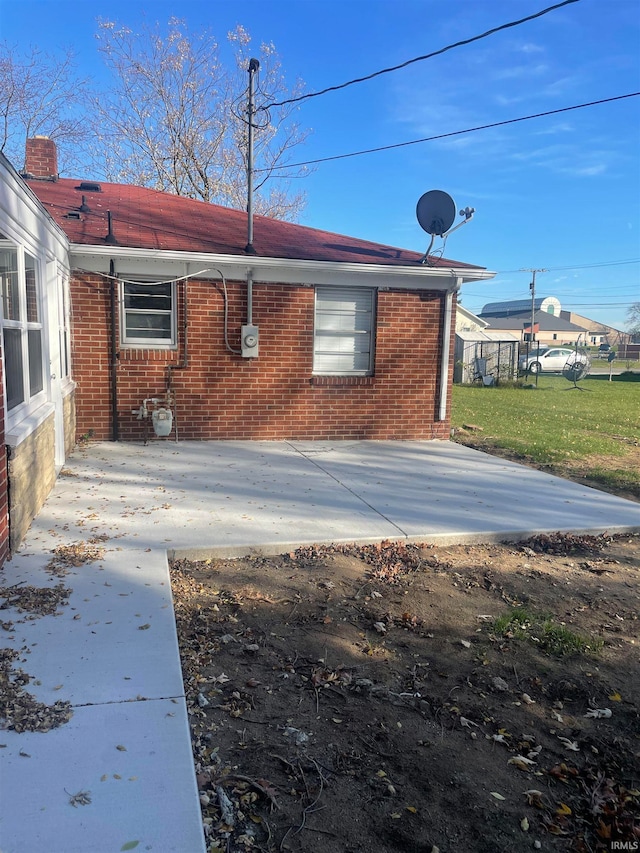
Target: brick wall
223,396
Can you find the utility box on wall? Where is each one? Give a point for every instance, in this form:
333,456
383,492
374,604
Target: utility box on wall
249,341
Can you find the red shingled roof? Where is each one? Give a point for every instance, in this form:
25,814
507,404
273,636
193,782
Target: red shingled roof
148,219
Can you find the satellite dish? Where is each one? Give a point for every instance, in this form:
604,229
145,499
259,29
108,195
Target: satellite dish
577,367
436,211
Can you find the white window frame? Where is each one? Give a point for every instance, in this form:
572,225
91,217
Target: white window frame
138,342
334,347
64,328
24,326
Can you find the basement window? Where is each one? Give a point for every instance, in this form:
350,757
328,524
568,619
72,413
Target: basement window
148,314
344,331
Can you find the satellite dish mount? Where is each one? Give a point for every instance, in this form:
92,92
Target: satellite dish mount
436,211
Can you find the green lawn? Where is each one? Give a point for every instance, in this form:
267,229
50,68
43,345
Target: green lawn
592,433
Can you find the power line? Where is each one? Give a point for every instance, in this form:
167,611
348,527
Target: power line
599,304
419,58
453,132
565,297
579,266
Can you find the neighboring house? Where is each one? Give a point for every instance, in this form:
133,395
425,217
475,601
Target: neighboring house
547,328
516,307
480,351
598,333
550,327
467,321
37,411
181,329
556,326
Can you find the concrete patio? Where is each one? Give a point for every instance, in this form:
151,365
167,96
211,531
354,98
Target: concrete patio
112,651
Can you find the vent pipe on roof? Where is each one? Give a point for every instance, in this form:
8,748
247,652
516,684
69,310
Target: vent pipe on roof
110,238
254,65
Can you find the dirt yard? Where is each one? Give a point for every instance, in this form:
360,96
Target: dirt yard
479,699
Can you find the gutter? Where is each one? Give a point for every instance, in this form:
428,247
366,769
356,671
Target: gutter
278,270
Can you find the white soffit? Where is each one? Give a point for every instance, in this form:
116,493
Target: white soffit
167,264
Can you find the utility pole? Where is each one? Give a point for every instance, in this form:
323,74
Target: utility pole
532,288
254,65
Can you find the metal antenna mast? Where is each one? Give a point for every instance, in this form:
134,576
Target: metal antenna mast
254,65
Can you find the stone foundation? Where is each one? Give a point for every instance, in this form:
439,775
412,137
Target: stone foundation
69,417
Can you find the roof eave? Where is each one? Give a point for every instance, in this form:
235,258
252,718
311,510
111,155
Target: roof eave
169,264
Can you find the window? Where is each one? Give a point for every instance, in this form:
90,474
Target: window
21,324
64,326
148,313
34,326
344,323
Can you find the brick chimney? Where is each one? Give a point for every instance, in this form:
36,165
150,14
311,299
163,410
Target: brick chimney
41,158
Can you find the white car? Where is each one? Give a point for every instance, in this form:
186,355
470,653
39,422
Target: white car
547,360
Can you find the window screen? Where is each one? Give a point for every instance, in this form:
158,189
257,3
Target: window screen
34,340
10,284
13,367
343,340
22,326
148,313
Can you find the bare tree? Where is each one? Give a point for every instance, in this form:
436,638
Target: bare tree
41,94
633,319
175,118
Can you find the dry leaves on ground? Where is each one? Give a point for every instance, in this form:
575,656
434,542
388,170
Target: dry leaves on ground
355,698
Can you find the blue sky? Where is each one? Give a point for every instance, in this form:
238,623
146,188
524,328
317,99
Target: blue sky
560,192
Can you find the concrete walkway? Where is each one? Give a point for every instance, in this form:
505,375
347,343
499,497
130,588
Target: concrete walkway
112,652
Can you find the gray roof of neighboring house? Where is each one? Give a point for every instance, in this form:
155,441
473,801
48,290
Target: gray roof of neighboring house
547,322
511,308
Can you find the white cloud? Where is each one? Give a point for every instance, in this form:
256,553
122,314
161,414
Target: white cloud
530,47
561,127
586,171
545,154
518,71
561,86
508,100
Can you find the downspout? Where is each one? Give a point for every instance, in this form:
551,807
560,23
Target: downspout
115,429
446,348
181,365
